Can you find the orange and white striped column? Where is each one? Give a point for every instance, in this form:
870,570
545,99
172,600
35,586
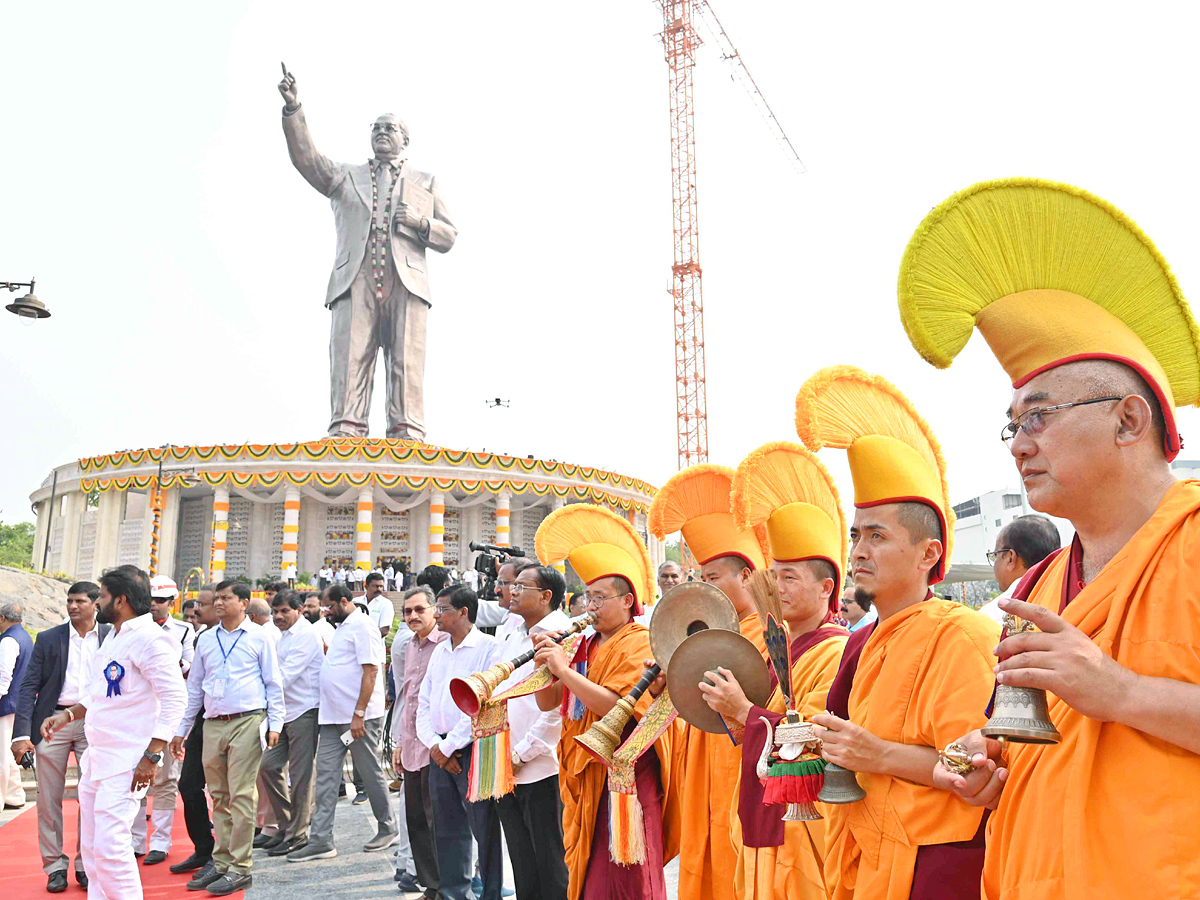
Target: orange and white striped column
561,565
220,531
362,549
503,513
437,529
290,547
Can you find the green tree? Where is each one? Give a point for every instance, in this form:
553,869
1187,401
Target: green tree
672,551
16,544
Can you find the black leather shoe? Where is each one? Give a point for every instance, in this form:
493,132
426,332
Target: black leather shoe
56,883
204,877
191,864
230,883
262,840
154,857
287,847
81,878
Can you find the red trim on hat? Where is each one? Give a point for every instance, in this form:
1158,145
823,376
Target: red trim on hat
1172,442
837,594
939,571
637,608
741,556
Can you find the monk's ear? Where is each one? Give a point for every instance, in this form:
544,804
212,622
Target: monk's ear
1135,420
931,554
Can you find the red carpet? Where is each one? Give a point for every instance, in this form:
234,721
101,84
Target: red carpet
21,876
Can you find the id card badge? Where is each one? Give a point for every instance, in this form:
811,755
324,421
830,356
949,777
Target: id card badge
218,688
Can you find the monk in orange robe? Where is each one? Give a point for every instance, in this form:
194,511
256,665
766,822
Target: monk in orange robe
1111,810
614,664
777,859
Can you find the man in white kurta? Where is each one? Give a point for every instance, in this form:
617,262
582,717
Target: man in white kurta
133,701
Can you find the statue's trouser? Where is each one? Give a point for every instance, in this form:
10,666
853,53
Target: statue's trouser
361,326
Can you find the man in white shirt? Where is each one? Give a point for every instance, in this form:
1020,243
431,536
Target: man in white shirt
532,813
132,700
350,717
259,612
380,609
495,613
389,576
268,831
165,787
311,610
340,575
1021,544
301,654
857,611
471,579
446,731
57,674
235,676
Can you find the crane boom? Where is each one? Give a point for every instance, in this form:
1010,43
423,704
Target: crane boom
730,54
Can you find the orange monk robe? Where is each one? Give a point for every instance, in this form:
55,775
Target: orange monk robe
796,868
924,678
1111,811
711,766
616,665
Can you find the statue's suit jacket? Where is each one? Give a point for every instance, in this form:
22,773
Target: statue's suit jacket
348,188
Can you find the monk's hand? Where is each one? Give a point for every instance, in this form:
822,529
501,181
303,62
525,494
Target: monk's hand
1060,658
724,695
176,748
550,655
848,745
659,684
981,787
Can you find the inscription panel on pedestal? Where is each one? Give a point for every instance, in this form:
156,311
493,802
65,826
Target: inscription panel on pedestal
275,557
452,521
394,536
193,536
340,528
129,549
87,545
237,546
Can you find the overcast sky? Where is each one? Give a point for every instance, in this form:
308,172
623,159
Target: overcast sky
146,185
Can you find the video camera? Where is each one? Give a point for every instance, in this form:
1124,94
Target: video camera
488,563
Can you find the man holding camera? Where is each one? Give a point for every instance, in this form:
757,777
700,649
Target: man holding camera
58,667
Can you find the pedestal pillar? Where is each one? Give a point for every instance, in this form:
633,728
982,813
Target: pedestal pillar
364,529
168,539
437,528
561,565
503,512
72,526
290,547
220,538
108,532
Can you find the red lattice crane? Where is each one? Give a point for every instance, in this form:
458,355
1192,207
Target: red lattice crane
680,42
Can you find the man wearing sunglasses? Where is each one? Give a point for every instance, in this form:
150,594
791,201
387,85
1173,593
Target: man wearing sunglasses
1092,328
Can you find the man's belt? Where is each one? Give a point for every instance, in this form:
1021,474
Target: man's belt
231,716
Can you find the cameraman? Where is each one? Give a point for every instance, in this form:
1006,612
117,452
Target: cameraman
493,616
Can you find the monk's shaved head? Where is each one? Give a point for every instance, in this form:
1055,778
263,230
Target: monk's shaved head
920,521
1108,378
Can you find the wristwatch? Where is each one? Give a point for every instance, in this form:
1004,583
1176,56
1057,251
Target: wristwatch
361,713
516,760
155,758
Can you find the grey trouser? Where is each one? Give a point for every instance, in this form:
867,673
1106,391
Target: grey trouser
455,821
50,766
360,327
297,749
365,753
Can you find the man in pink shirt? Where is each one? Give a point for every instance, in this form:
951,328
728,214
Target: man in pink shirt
410,754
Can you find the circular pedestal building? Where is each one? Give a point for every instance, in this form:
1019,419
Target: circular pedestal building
258,509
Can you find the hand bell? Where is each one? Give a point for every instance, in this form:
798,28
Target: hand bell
840,786
1019,714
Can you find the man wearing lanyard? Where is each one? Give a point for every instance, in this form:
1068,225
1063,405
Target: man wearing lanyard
235,675
132,699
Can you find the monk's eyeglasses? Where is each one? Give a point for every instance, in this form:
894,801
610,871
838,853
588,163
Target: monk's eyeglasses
1033,421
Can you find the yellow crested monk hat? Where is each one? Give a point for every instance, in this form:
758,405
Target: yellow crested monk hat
1050,275
695,502
598,544
788,497
893,455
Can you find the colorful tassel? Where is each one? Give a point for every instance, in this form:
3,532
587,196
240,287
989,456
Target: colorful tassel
793,782
491,774
626,829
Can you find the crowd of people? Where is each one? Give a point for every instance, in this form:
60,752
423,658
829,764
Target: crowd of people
876,685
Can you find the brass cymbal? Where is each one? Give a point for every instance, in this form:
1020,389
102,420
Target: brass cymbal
703,652
684,610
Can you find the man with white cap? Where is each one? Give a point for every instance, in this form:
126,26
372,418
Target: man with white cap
165,788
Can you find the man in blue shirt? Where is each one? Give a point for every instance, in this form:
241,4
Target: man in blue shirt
235,675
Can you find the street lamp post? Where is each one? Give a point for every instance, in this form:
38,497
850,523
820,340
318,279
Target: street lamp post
29,308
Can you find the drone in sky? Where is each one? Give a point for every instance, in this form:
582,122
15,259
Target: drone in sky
497,402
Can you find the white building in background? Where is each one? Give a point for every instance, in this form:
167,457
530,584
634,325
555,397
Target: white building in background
981,518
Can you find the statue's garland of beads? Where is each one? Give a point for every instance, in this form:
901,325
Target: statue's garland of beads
378,242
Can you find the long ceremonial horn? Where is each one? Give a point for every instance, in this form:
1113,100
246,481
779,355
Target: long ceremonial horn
603,738
470,693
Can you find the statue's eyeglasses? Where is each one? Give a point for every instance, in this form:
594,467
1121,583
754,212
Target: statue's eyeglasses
389,127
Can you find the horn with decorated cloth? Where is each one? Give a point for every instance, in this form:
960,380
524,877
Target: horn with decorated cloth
1050,275
893,454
